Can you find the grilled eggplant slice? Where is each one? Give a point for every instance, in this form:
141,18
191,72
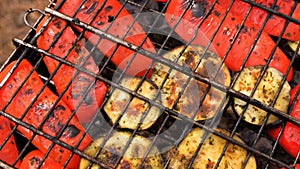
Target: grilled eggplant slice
294,45
209,153
264,93
137,107
189,102
132,157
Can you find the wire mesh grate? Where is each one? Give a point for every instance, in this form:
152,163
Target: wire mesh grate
171,127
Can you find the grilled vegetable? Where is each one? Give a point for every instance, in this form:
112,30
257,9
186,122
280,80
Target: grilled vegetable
39,111
296,167
290,138
9,152
33,159
112,14
225,35
294,45
265,93
209,153
78,55
133,156
189,102
137,107
275,24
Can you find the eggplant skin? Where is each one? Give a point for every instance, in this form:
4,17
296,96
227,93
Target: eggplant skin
209,153
133,156
137,107
265,93
206,64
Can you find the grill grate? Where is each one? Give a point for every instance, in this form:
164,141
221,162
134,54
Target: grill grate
27,49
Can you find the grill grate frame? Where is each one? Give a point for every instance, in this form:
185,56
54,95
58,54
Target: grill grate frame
27,49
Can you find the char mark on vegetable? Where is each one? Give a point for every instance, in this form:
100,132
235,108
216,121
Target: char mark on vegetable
91,8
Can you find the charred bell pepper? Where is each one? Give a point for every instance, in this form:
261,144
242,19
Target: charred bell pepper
79,56
290,138
119,19
38,112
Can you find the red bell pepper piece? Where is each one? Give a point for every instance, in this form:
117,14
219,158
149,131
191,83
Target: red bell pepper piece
296,167
290,138
275,24
74,95
38,112
33,159
224,37
120,24
9,152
